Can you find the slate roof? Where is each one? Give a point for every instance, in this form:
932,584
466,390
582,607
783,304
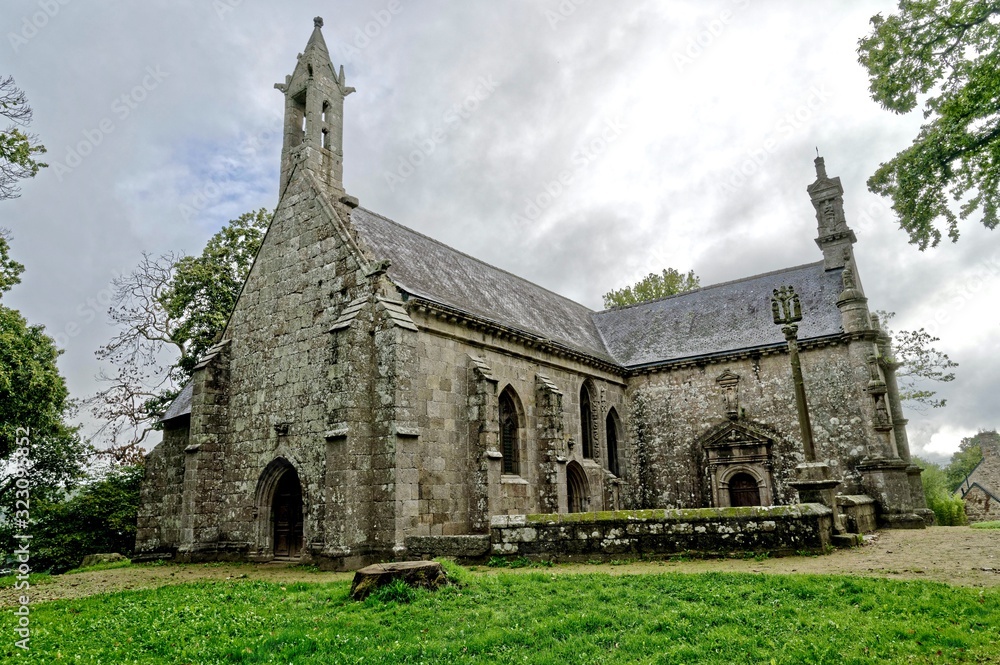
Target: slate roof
431,270
181,406
724,317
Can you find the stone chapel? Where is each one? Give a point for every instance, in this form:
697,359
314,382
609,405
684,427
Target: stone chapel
374,385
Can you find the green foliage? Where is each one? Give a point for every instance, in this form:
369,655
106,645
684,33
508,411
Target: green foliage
535,617
947,52
100,517
169,310
918,363
18,150
113,565
652,287
986,525
10,270
949,510
204,288
396,591
34,400
968,455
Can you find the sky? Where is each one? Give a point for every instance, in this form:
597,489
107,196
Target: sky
580,144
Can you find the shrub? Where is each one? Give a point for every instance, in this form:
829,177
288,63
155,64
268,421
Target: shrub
949,510
100,517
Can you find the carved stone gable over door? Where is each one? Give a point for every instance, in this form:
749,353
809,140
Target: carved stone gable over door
738,460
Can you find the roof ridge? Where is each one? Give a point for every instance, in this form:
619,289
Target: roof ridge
477,260
712,286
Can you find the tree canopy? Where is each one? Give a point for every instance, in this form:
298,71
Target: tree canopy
968,455
919,363
18,149
169,310
33,398
651,287
943,54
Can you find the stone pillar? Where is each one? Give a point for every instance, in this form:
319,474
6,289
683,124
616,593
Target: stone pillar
201,504
551,441
484,444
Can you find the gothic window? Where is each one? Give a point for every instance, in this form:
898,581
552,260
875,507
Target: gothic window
325,140
612,435
326,105
508,434
586,423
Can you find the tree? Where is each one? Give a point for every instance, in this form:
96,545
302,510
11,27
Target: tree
968,455
100,517
949,510
169,311
10,270
919,362
945,51
17,149
33,400
652,287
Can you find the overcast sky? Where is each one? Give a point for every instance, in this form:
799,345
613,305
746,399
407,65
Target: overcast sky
686,132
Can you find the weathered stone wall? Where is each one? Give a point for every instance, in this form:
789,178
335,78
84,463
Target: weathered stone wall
159,520
777,529
458,377
981,503
292,380
672,411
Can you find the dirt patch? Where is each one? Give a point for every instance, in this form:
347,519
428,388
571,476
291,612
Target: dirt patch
953,555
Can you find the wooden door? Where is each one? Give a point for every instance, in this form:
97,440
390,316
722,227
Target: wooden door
743,491
288,516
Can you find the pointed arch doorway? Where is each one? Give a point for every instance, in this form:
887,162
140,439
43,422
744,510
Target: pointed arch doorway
577,489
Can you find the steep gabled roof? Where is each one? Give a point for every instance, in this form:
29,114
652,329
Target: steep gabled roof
431,270
724,317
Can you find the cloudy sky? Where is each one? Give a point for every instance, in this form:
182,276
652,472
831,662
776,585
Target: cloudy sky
582,144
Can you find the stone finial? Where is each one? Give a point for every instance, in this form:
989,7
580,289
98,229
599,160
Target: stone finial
848,277
820,167
318,22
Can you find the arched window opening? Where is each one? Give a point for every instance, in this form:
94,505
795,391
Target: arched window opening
577,489
325,140
508,434
586,423
326,105
743,491
612,434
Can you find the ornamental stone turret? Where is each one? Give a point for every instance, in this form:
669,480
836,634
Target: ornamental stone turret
314,116
835,238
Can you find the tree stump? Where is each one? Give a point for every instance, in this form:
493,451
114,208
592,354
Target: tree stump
422,574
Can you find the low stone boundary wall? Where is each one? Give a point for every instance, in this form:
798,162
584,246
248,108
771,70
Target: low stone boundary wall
462,547
711,531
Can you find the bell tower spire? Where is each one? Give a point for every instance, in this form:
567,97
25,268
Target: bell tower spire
314,116
835,238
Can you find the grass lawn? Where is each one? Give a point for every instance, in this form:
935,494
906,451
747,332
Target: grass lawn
533,617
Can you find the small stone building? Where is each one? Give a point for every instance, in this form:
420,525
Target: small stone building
981,488
373,385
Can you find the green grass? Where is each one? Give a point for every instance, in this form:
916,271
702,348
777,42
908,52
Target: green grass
100,566
34,578
986,525
533,617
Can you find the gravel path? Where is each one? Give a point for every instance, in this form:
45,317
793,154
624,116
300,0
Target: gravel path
954,555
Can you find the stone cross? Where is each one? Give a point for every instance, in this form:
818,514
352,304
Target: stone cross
787,312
